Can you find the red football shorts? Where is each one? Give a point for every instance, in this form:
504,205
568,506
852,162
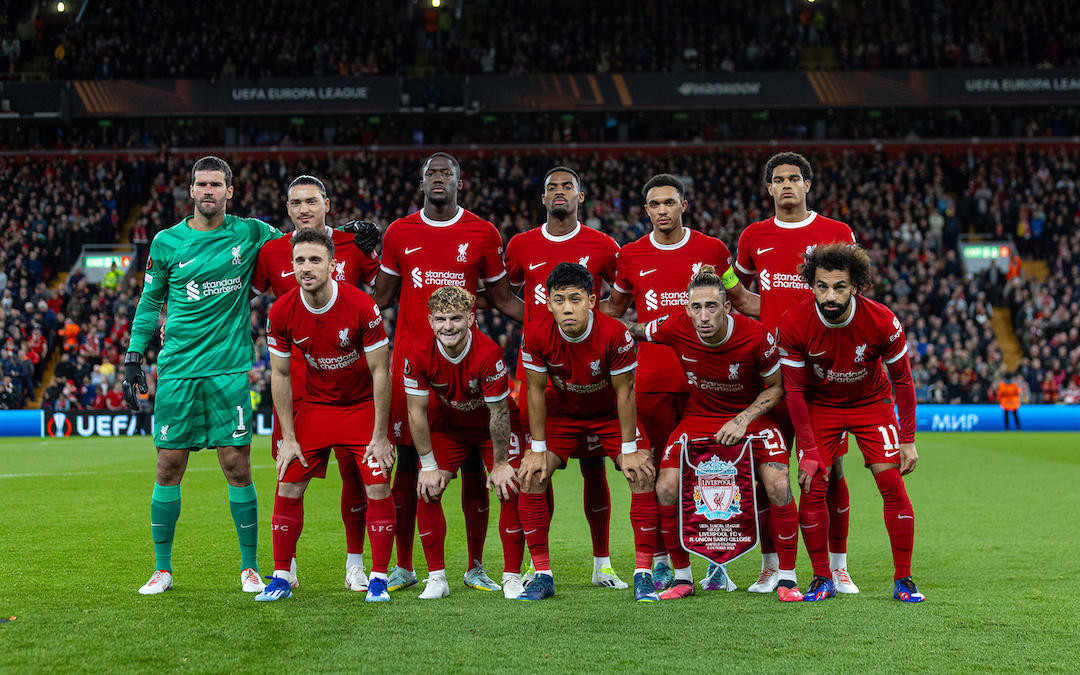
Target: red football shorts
565,435
874,427
659,413
321,427
452,445
768,446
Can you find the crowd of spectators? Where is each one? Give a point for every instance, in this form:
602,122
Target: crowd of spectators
203,39
907,210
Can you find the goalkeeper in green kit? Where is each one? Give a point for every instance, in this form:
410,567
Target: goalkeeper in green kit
201,269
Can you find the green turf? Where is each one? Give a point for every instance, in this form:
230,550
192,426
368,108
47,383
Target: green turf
996,551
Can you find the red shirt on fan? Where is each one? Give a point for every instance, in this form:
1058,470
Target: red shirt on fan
429,254
333,340
530,257
274,273
774,250
724,378
579,369
464,386
657,275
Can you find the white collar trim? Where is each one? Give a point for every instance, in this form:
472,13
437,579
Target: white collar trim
580,338
830,324
560,238
461,356
794,226
325,308
442,223
671,247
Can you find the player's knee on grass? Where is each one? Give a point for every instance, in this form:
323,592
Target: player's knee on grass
777,482
292,490
667,487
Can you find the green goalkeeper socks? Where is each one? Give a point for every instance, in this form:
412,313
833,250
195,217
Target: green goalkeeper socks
243,502
164,512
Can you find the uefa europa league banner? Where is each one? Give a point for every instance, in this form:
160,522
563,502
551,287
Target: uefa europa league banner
717,507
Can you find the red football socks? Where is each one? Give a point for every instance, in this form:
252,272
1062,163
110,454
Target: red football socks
763,519
839,502
645,519
899,519
380,526
475,504
288,523
431,522
513,541
669,528
597,498
785,533
353,503
535,524
404,493
814,521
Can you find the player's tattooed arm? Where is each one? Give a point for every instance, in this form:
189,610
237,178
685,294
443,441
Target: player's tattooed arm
735,428
636,329
501,478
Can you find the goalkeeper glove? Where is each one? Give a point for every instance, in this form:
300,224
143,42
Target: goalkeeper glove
366,234
133,377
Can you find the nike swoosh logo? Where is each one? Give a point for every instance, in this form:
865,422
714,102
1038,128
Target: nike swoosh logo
483,510
356,510
556,365
532,267
908,517
287,274
157,524
643,273
412,250
185,264
303,339
239,434
513,531
527,532
602,508
424,534
892,454
765,250
809,527
687,359
248,526
817,354
593,448
843,510
786,538
776,452
648,529
440,384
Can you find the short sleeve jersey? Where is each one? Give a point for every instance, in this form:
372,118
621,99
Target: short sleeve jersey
274,273
579,369
774,250
274,269
463,385
530,257
205,278
334,340
429,254
843,362
726,377
656,275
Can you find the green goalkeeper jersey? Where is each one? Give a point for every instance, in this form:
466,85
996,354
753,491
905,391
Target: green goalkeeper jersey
205,279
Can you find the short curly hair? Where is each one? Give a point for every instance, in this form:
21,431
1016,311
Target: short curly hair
451,299
839,256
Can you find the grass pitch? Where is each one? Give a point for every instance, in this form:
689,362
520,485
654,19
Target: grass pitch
995,552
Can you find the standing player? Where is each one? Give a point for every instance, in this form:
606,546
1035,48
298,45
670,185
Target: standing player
442,244
653,272
466,371
590,360
530,257
307,206
733,370
340,333
771,250
202,268
835,349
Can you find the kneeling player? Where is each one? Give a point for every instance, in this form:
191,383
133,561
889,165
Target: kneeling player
834,349
346,404
590,359
467,372
733,370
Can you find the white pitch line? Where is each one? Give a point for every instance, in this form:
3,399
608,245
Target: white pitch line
123,471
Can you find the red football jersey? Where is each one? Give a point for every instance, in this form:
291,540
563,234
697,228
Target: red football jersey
656,275
429,254
530,257
774,250
331,339
579,370
725,378
843,363
274,273
464,385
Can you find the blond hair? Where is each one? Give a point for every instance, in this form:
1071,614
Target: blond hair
451,299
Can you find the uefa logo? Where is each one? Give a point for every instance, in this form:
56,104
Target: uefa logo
58,426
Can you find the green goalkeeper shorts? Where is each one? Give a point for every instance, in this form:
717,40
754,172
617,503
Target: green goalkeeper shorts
203,412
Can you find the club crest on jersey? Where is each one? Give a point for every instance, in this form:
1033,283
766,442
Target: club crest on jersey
810,249
164,432
461,252
236,255
860,353
595,366
339,271
695,269
717,495
474,384
733,371
343,335
583,261
397,430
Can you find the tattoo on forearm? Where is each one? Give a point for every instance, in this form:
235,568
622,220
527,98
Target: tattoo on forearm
499,426
766,401
636,329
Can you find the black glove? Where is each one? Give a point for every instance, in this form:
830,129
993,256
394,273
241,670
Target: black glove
133,377
365,234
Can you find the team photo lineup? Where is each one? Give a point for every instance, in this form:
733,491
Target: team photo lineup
697,372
